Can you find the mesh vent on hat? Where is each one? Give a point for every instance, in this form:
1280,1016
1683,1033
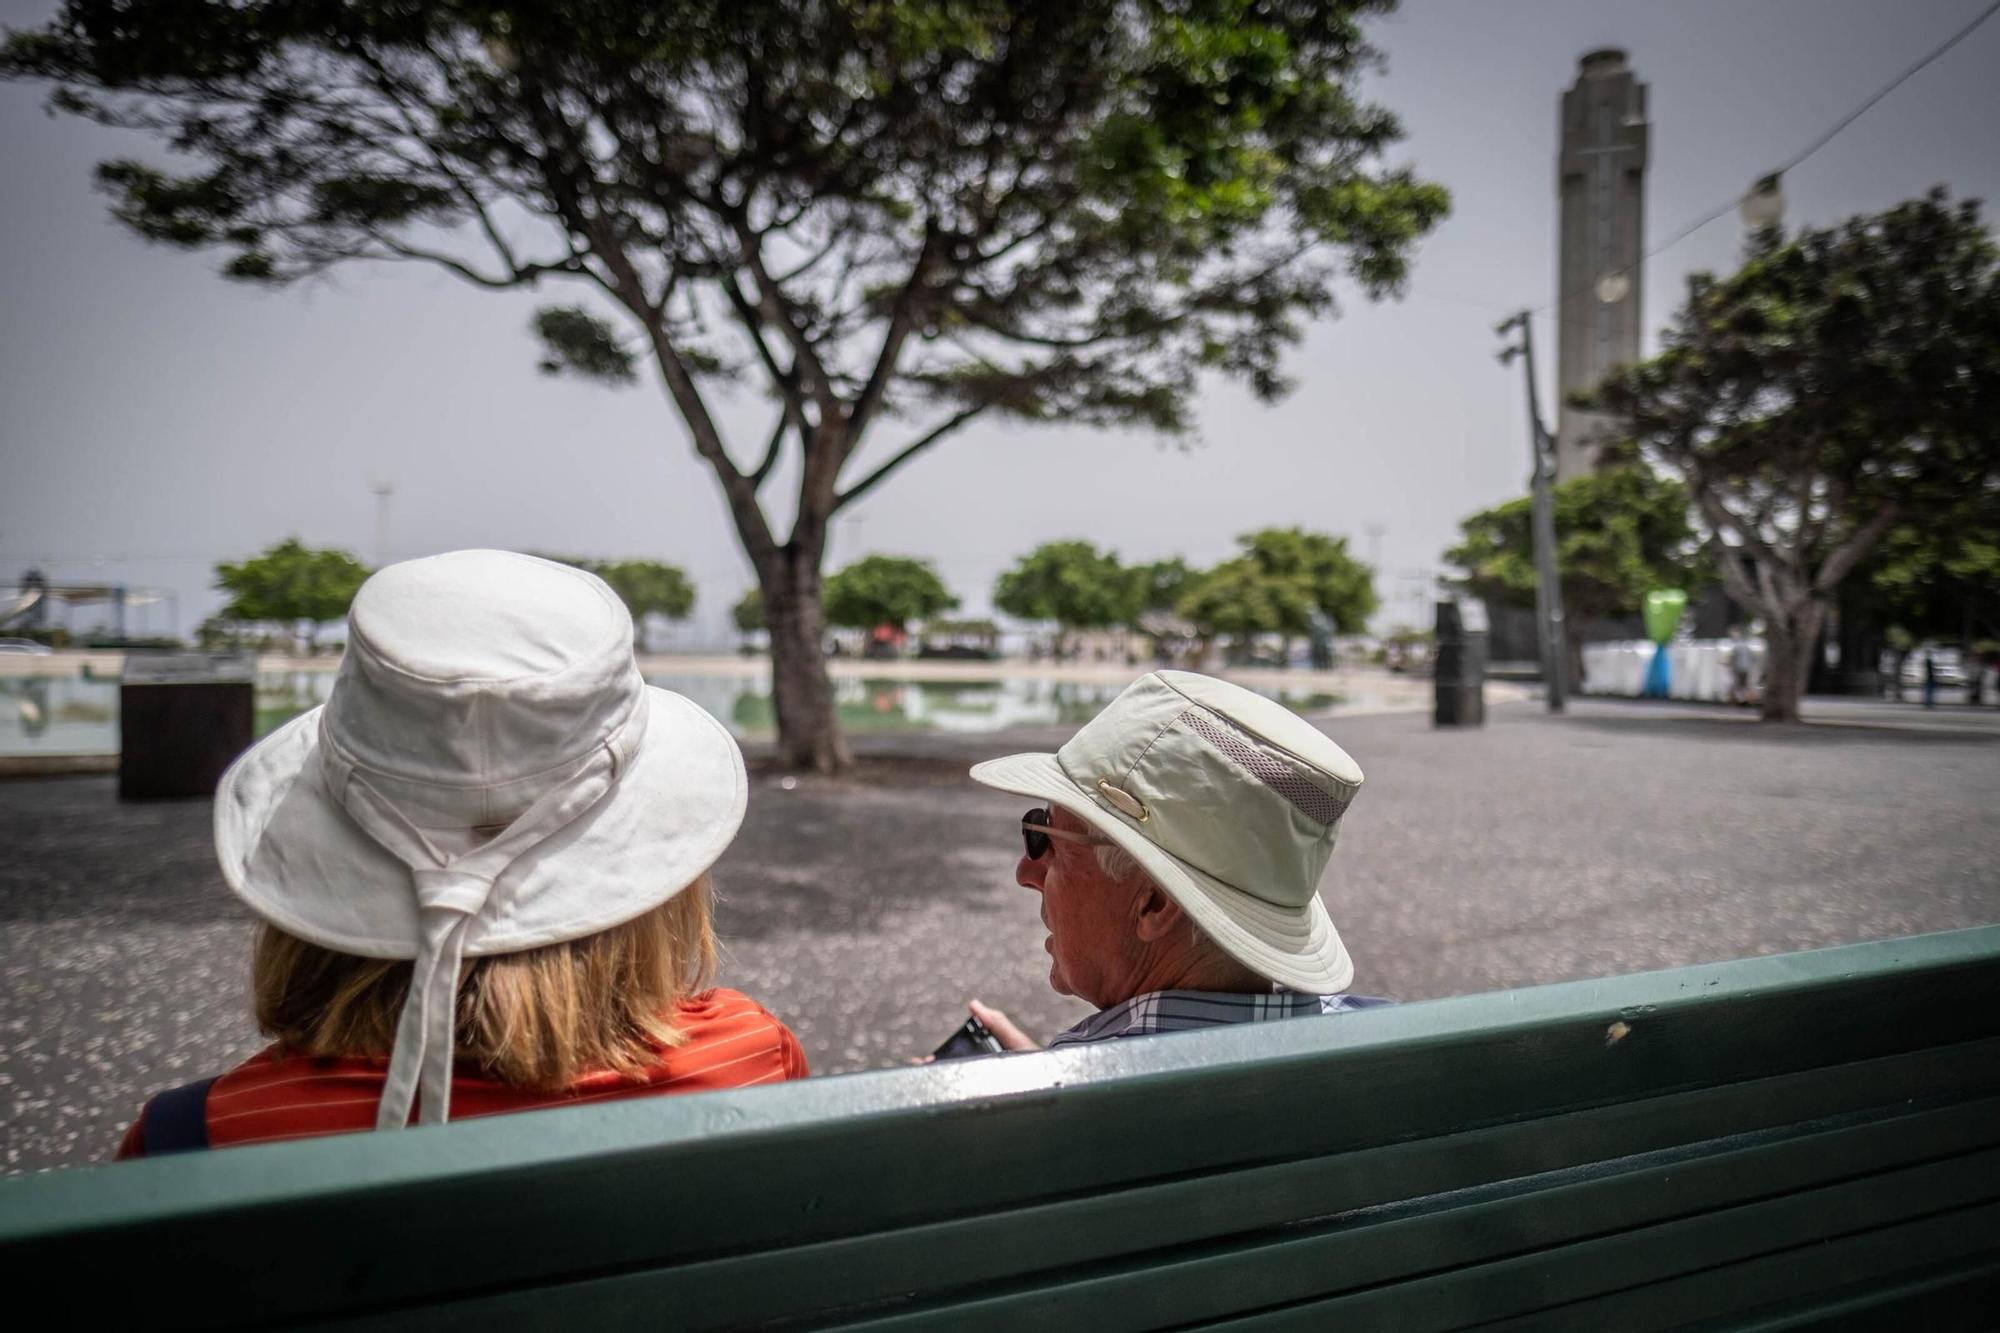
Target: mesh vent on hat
1307,797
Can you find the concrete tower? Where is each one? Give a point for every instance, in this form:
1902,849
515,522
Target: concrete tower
1601,181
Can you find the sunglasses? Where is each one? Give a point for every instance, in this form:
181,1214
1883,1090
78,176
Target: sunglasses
1036,830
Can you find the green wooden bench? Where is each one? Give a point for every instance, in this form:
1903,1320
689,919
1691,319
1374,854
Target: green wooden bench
1773,1143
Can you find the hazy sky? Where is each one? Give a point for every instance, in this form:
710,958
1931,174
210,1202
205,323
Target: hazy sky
155,419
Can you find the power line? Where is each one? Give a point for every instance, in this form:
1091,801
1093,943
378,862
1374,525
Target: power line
1822,141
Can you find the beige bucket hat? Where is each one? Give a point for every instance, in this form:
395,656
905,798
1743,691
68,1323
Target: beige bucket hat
489,774
1231,802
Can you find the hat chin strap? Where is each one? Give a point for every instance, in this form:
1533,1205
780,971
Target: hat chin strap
451,891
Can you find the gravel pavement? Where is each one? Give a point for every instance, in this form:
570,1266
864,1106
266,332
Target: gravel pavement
864,912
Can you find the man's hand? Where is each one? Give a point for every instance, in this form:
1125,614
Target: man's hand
1011,1037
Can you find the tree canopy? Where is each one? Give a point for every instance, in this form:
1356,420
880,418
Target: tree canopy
1070,582
1938,580
647,587
1843,380
291,582
1281,581
1158,587
748,613
1620,533
885,590
1241,599
910,213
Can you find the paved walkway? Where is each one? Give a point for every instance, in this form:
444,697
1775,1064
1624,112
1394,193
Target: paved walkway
1620,838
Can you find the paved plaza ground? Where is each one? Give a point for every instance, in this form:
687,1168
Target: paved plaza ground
1622,837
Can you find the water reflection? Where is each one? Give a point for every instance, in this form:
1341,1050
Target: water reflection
79,715
866,705
58,715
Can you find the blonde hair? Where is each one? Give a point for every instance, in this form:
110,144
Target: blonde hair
539,1019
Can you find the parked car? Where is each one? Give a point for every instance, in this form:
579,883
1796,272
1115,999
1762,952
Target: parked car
26,647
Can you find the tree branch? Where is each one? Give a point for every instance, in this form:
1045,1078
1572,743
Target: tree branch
396,249
384,84
778,310
786,380
628,288
771,450
1858,544
1722,520
902,456
902,317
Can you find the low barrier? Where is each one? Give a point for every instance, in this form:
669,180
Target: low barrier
1697,668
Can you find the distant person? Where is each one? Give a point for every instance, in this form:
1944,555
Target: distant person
1930,679
482,870
1177,853
1742,670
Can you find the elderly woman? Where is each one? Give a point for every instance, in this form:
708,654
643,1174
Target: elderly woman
482,871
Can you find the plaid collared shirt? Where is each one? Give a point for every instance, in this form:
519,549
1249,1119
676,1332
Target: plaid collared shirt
1187,1010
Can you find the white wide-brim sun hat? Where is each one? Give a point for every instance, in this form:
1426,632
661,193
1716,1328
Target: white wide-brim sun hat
1230,801
489,774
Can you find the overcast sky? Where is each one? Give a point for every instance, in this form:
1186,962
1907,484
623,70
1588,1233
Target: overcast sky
155,419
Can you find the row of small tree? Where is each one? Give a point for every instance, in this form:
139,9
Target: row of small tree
1283,581
292,585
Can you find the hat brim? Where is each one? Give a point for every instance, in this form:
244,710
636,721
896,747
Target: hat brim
1297,949
291,852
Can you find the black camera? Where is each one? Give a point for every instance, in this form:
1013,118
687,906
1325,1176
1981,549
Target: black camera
972,1038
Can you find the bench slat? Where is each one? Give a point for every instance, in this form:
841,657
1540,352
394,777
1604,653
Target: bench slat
1611,1269
1799,1276
1044,1244
1936,1298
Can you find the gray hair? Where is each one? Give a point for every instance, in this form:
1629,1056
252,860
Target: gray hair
1121,865
1124,868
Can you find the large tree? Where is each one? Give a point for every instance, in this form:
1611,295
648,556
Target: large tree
1620,533
291,582
901,212
1843,381
885,590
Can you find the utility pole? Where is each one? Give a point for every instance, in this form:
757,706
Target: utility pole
1541,483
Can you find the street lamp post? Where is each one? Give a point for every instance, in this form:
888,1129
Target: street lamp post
1764,205
1541,482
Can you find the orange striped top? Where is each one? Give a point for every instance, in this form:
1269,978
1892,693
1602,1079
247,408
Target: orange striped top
732,1042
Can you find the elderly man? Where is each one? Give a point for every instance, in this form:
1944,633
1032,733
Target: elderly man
1178,859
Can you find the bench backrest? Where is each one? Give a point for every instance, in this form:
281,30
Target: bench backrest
1796,1136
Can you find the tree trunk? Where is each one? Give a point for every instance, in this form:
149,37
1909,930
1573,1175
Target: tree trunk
1790,634
802,694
